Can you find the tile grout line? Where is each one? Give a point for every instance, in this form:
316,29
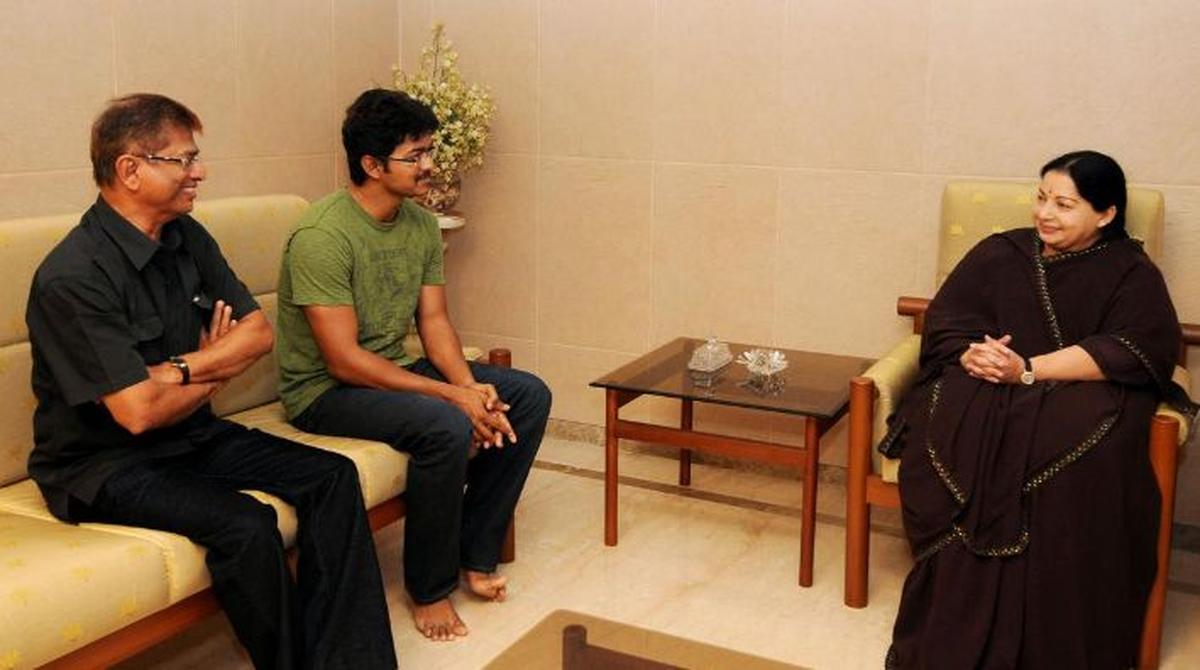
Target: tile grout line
759,506
707,496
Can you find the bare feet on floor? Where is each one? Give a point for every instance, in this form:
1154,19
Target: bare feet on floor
487,585
438,621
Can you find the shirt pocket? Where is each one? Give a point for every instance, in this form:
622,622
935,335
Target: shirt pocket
147,328
204,304
148,332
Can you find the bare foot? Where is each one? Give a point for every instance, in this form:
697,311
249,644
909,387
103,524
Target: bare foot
438,621
487,585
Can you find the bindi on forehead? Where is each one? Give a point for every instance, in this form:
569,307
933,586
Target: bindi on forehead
1059,185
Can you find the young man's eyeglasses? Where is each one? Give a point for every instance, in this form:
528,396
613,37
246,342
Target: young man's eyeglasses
186,161
415,159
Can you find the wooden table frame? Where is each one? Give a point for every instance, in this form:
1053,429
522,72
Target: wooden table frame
806,458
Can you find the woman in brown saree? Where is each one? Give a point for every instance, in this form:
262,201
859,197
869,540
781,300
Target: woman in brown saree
1025,481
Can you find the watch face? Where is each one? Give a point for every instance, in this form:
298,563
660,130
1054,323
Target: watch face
1027,377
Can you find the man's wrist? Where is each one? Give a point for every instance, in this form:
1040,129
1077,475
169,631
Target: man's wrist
448,391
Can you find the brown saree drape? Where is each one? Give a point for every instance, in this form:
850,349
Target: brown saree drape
1032,510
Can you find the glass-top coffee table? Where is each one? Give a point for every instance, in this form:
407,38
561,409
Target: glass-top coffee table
814,385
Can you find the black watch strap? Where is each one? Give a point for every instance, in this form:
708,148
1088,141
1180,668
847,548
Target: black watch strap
1027,377
183,368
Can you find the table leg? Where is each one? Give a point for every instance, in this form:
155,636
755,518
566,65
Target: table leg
685,455
808,517
610,467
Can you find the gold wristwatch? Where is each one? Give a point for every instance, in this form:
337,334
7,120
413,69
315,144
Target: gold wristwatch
1027,377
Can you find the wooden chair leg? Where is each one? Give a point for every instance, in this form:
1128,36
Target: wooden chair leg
858,512
1164,458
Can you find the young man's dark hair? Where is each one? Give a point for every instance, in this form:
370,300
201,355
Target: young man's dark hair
378,122
135,122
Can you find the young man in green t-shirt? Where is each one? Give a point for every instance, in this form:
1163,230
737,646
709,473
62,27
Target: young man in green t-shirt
362,262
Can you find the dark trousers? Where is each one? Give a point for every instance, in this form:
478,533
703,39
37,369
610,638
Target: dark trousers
445,529
335,615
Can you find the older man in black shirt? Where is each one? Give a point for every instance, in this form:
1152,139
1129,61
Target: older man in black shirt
136,320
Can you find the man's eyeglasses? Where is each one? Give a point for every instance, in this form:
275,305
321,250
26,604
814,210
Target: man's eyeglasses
186,161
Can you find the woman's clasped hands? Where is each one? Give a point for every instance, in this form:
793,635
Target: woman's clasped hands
991,360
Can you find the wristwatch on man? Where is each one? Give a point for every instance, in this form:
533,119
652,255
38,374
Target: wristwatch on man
1027,377
178,363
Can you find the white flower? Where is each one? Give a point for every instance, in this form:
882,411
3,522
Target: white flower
463,110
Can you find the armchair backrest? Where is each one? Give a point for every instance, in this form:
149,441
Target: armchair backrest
972,210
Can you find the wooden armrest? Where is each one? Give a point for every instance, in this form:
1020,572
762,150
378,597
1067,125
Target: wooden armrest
907,305
1191,333
1191,338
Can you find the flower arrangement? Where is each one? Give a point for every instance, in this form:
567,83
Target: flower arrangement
464,111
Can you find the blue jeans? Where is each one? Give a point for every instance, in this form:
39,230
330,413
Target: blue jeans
445,529
335,615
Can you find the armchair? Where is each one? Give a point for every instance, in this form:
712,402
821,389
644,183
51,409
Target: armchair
971,210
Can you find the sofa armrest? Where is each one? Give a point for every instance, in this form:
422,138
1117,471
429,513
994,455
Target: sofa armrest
1183,378
892,376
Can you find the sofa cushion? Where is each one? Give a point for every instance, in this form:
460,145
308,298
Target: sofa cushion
16,412
109,580
23,245
258,384
183,561
382,471
251,232
186,572
972,210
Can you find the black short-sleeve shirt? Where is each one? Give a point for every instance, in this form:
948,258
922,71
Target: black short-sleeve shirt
107,302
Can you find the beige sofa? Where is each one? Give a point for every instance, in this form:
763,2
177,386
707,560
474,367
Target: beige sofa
92,594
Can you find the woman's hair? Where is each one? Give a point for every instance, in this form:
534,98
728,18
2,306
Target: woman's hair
1100,181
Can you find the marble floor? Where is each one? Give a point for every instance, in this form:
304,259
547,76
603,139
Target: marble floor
716,563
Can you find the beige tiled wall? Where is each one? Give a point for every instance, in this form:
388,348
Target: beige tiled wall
269,79
766,170
770,170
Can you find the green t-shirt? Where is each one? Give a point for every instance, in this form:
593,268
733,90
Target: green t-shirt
340,255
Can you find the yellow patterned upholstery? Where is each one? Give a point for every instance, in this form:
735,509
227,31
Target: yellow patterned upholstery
382,470
894,375
251,232
260,383
182,561
23,245
972,210
16,412
62,586
1184,379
